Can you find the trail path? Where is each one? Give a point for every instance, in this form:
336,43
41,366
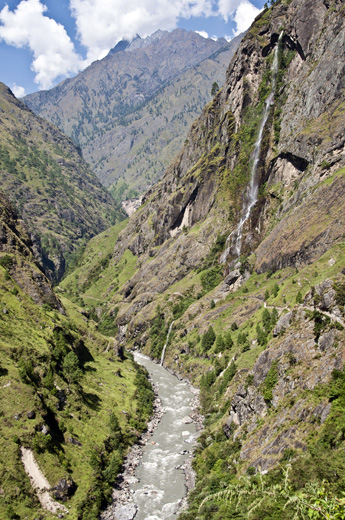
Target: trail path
40,483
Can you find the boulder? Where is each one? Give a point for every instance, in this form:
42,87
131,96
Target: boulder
282,324
64,489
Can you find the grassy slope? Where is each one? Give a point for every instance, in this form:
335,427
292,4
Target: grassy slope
107,385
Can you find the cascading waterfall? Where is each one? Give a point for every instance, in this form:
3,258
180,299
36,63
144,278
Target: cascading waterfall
166,343
234,240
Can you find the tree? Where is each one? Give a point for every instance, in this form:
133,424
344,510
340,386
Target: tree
71,368
214,89
220,345
114,423
299,298
266,320
208,339
275,290
261,336
228,341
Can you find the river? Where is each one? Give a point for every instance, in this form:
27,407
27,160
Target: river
162,481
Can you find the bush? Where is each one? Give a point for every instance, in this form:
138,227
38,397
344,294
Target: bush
211,278
6,261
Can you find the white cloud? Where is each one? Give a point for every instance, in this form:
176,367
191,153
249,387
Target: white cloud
204,34
242,12
53,50
18,91
227,8
245,15
102,23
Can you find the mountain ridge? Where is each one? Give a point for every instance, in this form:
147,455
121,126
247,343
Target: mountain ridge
130,111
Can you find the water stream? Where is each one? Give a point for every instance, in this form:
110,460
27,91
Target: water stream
234,240
166,343
162,481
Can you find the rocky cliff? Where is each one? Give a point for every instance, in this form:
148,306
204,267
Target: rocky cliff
51,186
131,111
255,286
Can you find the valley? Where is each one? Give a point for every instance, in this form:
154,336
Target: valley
230,274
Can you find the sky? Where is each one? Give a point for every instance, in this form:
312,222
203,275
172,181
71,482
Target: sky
43,42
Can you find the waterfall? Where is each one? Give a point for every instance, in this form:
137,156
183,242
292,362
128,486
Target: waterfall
234,240
166,342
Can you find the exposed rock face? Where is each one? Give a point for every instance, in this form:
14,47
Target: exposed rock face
283,323
294,353
299,213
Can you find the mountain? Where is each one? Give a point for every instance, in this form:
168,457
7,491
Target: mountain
241,246
70,401
131,111
53,189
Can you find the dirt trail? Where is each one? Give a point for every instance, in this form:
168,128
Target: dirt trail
40,483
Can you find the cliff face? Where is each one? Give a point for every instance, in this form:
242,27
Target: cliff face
51,186
131,111
298,213
254,284
19,260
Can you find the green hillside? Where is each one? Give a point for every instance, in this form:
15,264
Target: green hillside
67,392
51,186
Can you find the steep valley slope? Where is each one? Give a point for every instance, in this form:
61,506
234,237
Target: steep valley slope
53,189
261,333
69,397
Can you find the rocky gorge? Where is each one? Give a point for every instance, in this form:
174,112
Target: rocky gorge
262,333
249,310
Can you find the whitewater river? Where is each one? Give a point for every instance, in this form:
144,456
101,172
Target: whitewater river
162,483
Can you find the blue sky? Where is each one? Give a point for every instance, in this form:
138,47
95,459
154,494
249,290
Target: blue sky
44,41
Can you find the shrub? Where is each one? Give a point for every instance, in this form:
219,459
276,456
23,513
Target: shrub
211,278
6,261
